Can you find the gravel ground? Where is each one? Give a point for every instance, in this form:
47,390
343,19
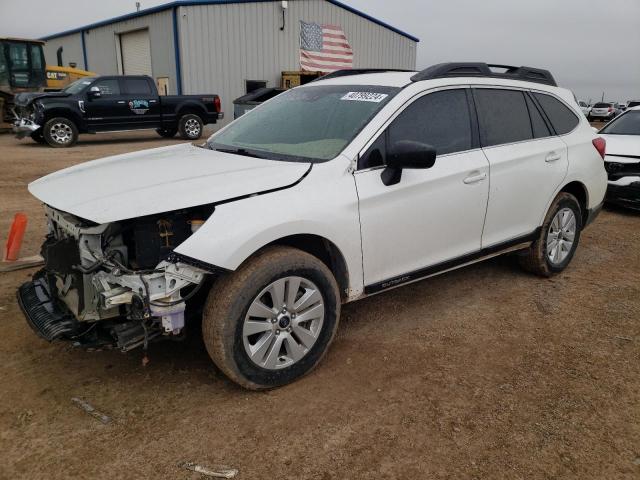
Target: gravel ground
484,372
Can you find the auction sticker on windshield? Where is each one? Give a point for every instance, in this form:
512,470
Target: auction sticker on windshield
365,96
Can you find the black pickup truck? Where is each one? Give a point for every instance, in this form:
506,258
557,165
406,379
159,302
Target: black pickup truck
111,103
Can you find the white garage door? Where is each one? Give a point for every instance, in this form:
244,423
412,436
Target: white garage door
136,53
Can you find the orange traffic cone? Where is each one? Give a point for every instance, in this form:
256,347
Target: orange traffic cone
11,259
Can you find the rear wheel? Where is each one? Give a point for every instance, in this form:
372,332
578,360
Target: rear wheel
272,320
190,126
60,132
167,132
558,238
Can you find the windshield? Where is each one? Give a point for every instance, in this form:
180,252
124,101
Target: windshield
626,124
78,85
308,123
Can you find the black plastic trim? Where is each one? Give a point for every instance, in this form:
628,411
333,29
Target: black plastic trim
175,257
358,71
449,264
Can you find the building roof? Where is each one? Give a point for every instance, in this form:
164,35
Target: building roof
185,3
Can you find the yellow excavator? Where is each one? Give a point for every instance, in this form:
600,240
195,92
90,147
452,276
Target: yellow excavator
23,69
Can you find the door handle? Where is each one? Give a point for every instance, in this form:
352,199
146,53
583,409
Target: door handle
121,101
552,157
475,178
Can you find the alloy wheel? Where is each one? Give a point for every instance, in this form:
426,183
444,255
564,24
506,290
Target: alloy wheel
561,235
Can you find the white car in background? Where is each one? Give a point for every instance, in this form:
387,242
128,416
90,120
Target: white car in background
622,160
584,108
339,189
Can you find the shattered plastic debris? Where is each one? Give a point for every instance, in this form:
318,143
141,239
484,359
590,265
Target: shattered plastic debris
218,472
90,410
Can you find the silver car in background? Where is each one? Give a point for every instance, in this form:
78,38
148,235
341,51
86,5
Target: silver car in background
586,109
604,111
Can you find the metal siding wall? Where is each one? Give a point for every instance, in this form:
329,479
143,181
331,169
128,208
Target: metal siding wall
72,50
101,44
224,45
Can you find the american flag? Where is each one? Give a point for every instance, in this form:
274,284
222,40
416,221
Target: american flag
324,48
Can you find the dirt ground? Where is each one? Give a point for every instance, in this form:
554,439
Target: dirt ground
485,372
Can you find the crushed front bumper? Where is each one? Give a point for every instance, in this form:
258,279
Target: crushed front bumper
24,127
47,317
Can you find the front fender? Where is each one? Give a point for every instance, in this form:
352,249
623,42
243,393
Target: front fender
238,229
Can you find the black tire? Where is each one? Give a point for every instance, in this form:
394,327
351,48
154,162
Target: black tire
190,126
38,137
230,299
167,132
53,132
535,259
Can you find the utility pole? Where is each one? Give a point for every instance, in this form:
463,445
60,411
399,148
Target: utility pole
137,6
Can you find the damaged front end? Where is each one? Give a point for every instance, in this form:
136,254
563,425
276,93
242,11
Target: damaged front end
27,116
115,285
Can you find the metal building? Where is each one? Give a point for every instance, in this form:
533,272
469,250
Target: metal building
217,46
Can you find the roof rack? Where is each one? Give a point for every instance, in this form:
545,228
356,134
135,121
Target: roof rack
359,71
477,69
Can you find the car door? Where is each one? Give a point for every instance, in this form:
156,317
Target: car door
431,215
109,110
142,100
527,161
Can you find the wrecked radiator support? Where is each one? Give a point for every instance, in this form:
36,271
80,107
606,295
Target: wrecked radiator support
113,285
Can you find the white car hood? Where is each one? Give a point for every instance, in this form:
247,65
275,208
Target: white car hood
622,144
160,180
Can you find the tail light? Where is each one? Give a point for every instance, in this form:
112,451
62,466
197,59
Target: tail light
600,144
610,109
216,104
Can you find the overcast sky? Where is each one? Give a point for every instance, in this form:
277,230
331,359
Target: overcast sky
590,46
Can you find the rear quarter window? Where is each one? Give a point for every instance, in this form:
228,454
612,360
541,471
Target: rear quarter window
561,117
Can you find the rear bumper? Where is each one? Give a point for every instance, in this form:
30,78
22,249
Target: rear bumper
23,127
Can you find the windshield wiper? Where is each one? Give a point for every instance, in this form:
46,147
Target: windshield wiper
238,151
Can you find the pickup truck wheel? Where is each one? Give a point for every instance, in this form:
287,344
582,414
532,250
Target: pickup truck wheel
190,126
38,137
167,132
558,238
271,321
60,132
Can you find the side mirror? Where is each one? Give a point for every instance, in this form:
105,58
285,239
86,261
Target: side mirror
407,154
94,92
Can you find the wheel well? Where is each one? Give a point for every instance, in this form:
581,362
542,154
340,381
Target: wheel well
579,191
325,251
63,113
187,109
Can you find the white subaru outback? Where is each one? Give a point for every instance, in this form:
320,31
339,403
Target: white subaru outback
351,185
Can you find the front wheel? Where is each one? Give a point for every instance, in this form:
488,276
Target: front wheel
167,132
60,132
558,238
190,126
271,321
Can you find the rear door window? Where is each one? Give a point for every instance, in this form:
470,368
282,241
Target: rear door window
137,86
503,116
560,116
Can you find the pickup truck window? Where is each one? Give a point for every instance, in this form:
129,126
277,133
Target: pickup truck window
78,85
137,86
108,86
304,124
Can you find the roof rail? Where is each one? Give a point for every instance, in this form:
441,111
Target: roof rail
359,71
477,69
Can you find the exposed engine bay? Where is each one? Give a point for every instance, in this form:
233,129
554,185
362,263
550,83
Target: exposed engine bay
114,285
